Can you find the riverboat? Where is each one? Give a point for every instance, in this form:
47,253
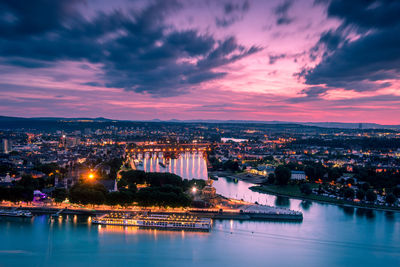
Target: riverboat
153,220
16,213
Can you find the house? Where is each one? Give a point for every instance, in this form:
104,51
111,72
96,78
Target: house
298,175
110,185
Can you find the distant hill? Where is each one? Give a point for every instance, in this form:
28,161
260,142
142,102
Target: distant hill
339,125
7,118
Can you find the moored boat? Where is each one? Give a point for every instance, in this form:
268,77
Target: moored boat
16,213
161,221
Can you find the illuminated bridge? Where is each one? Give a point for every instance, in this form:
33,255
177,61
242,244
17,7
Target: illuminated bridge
200,147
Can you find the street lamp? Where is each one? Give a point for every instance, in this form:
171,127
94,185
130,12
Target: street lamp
194,190
91,176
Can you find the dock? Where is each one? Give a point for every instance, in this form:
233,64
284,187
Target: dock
251,212
242,211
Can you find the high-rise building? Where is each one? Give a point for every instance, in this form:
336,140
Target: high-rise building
5,146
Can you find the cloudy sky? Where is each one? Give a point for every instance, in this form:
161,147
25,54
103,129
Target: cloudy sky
308,60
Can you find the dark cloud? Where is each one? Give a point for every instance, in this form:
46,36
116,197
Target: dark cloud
328,42
19,17
314,91
361,63
281,11
233,12
274,58
137,50
366,14
95,84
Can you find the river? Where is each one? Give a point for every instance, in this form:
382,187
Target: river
328,236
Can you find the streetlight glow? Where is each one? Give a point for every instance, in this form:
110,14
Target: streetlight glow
194,190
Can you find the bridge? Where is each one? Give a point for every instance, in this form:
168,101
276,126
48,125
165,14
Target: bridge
199,147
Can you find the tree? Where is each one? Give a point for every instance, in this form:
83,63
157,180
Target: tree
47,168
231,165
123,197
133,177
271,178
282,175
396,191
305,189
348,193
370,195
360,194
350,181
28,182
87,193
390,199
365,186
315,171
60,194
167,195
334,173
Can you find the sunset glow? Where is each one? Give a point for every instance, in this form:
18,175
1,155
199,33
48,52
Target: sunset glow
227,60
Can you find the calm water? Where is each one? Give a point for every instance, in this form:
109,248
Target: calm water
328,236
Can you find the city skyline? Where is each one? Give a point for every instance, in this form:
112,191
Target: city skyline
286,60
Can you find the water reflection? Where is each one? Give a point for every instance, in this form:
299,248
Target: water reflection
155,233
281,201
306,204
348,210
188,165
367,213
389,215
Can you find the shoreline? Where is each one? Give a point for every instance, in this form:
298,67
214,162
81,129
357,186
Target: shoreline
343,203
272,214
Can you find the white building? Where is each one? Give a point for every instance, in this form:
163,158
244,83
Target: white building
298,175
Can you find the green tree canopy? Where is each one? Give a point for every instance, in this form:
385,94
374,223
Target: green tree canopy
87,193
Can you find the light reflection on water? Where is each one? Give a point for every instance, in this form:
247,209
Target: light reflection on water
187,165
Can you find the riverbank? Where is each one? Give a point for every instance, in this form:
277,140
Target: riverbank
242,176
238,210
293,191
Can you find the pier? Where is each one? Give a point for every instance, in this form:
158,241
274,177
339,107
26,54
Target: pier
242,212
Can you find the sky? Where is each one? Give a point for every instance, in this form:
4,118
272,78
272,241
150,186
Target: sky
286,60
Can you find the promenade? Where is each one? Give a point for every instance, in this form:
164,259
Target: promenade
237,210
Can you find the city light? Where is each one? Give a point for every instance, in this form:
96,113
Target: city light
91,176
194,190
